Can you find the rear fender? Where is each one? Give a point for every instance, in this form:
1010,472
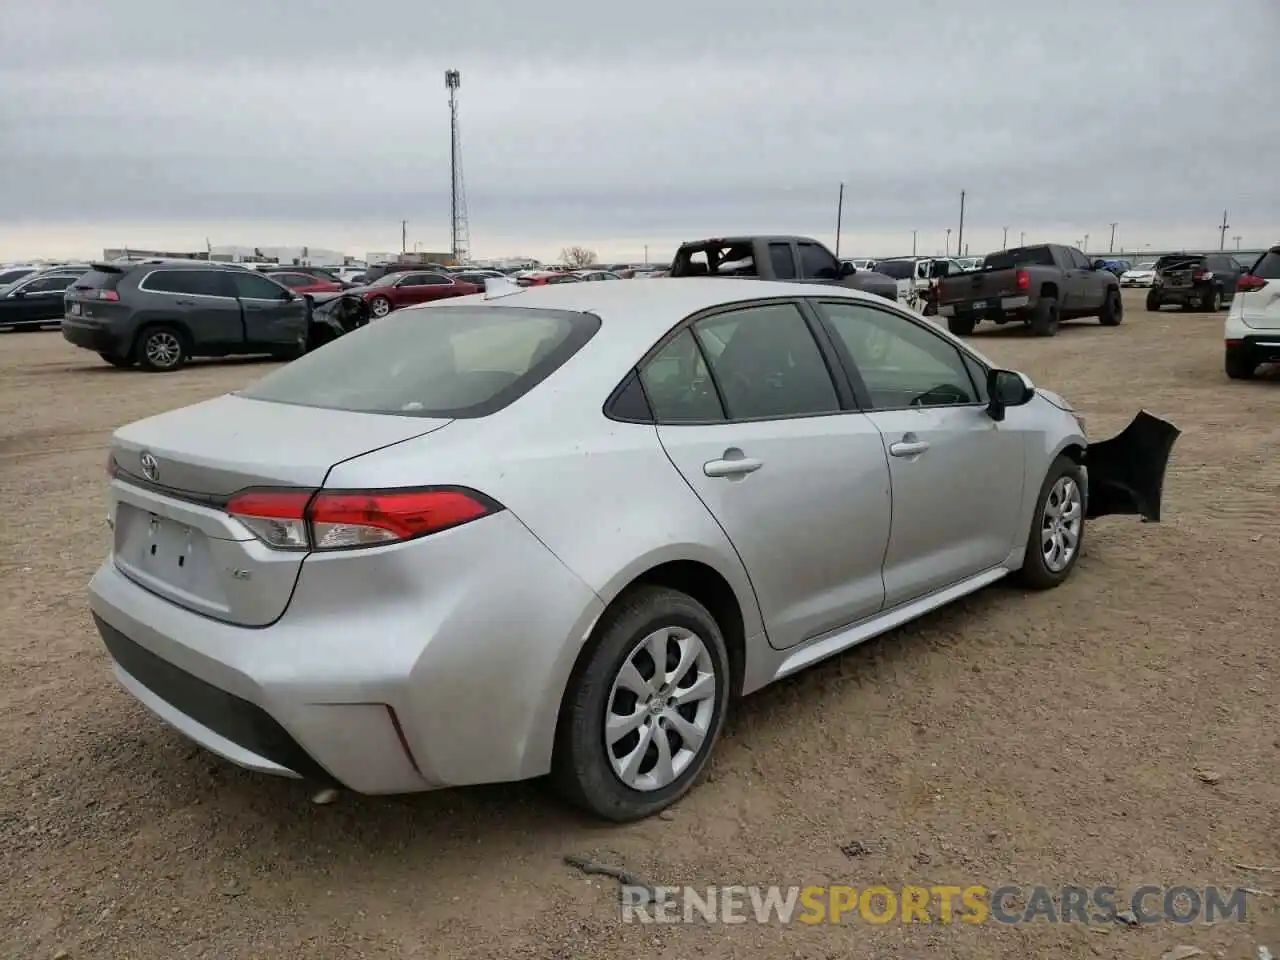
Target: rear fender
1126,473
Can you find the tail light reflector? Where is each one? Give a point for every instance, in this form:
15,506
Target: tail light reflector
1249,283
1023,280
348,519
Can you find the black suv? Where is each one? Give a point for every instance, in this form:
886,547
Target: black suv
36,299
159,315
1203,280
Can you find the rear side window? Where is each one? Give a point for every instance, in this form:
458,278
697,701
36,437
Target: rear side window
205,283
1268,267
438,362
784,265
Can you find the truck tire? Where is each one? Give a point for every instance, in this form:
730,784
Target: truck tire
961,326
1153,301
1112,309
1044,318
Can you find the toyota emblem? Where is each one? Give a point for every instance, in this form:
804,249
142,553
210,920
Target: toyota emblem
150,468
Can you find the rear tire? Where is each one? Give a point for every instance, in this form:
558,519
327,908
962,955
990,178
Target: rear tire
379,307
1044,318
1239,365
1212,300
1058,522
1153,301
1112,310
118,361
961,326
162,349
585,765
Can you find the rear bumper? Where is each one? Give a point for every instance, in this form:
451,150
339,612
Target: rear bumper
92,336
1260,348
989,307
1178,295
441,667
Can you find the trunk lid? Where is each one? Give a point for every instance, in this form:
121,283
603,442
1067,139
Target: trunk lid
978,286
177,470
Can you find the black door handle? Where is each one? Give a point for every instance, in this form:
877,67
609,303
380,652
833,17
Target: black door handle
185,303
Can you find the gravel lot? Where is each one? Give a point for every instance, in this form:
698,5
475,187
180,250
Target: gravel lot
1054,738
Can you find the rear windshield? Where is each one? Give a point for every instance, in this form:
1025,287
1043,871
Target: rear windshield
1019,257
1179,261
97,279
1268,265
898,269
433,362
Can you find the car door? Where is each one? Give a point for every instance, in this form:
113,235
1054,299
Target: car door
37,300
273,315
422,288
817,263
749,413
957,475
1085,283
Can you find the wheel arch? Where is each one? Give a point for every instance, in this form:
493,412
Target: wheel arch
1049,289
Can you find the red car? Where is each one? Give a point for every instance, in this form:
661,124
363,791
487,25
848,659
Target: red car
300,281
403,289
540,279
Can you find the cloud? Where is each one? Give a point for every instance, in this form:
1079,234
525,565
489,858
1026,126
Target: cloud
662,121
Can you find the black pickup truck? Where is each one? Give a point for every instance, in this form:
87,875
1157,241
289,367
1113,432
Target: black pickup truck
790,259
1039,286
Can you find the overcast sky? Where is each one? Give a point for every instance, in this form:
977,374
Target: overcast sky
159,123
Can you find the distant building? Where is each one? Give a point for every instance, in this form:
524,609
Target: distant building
416,256
132,253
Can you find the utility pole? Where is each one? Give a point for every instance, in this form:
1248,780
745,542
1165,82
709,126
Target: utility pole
459,231
1111,247
1022,238
947,252
404,236
914,234
960,236
839,219
646,254
1237,239
1222,231
1004,243
1084,244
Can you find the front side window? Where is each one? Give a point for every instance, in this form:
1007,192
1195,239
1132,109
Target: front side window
250,286
463,362
901,363
816,263
766,363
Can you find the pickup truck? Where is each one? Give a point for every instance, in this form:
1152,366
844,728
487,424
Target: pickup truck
790,259
1039,286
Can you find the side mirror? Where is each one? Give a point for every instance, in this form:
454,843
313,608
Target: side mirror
18,294
847,270
1007,388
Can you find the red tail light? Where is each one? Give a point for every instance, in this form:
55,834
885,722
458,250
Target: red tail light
347,519
1023,280
108,295
1249,283
1200,275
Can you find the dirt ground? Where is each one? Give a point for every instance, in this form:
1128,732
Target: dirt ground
1055,738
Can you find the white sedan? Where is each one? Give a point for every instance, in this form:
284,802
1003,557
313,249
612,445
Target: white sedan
1143,275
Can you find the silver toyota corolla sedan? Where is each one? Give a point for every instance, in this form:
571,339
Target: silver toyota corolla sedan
560,530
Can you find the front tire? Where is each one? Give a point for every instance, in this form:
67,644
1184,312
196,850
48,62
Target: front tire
1057,527
644,708
1153,301
1112,310
161,349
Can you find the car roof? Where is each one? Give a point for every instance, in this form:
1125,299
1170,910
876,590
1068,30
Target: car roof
653,306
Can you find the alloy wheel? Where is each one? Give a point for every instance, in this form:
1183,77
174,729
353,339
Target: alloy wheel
163,349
